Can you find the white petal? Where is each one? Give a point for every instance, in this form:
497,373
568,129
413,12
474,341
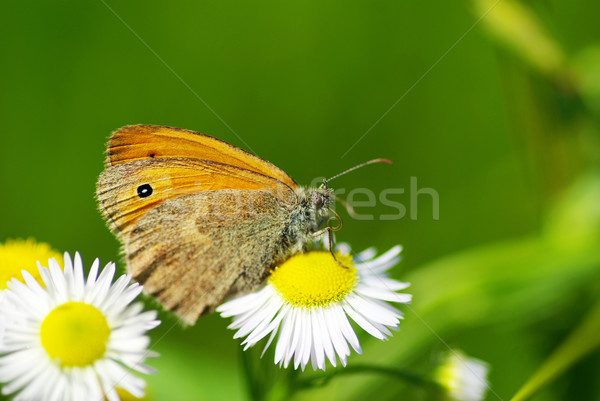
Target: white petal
246,304
25,377
262,317
271,321
383,262
27,300
17,363
78,278
33,285
383,295
372,310
325,336
276,323
284,341
367,254
363,322
68,276
342,322
119,296
307,343
297,345
337,338
343,247
59,385
318,349
379,281
91,278
58,280
98,293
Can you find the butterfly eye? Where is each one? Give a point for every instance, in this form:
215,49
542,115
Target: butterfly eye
144,191
318,200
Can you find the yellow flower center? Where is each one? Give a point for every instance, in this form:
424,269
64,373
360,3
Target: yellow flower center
314,279
75,333
17,255
447,376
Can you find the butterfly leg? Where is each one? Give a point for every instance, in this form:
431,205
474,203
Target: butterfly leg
331,241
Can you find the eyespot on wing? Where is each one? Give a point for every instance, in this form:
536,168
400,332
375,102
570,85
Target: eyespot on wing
129,190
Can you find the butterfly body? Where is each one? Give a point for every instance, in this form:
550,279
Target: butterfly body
200,219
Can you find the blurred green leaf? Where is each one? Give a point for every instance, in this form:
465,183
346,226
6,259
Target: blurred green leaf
586,64
519,29
584,339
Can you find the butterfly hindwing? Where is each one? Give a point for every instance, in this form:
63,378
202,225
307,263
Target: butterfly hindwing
191,261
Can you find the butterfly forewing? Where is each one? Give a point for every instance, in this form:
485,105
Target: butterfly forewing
119,185
138,142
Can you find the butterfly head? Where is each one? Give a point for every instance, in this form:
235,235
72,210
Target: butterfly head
321,198
314,202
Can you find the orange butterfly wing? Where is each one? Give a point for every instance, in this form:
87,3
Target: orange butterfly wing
177,162
139,142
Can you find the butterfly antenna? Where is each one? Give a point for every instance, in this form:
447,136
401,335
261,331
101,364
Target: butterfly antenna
386,161
331,228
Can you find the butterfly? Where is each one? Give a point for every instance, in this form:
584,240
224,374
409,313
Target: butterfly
200,219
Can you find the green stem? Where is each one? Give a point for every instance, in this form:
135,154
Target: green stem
252,384
320,381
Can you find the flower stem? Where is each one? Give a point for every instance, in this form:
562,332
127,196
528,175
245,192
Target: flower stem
410,377
253,384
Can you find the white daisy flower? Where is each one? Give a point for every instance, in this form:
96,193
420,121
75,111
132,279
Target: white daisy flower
463,377
308,300
73,339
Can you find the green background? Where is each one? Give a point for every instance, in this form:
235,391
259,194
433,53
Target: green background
499,115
